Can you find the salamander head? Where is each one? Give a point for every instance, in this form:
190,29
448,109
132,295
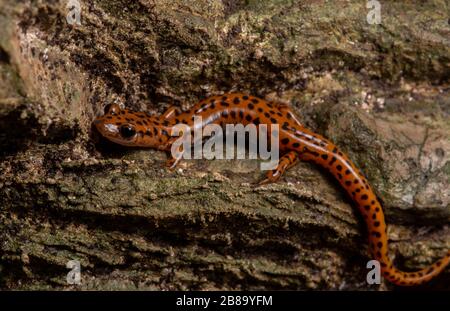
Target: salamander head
127,128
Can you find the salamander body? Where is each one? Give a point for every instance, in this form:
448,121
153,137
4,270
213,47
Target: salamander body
296,143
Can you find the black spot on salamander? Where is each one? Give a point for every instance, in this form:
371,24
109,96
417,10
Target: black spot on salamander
224,104
333,159
260,109
255,101
148,133
273,120
364,197
139,123
250,106
241,114
285,141
267,115
233,114
248,118
324,156
224,98
256,121
236,100
295,145
314,153
245,97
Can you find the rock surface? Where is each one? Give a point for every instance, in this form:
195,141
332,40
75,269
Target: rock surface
380,92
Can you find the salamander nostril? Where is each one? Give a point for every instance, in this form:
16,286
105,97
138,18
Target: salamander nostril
127,131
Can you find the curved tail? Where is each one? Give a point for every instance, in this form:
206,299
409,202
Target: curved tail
327,155
414,278
378,244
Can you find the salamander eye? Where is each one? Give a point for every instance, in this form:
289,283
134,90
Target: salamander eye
112,109
127,131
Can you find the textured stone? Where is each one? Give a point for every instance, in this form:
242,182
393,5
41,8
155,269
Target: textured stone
381,93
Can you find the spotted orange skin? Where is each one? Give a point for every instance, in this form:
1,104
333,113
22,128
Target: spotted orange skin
296,143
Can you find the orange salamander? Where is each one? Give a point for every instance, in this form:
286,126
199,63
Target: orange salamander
296,143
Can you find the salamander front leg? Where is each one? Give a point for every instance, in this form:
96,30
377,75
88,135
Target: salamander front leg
286,161
172,162
172,159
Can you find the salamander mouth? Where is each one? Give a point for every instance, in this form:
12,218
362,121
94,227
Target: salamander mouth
112,132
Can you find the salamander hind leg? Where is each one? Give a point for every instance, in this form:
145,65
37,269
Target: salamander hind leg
286,161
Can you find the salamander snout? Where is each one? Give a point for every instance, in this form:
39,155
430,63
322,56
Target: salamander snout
116,126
